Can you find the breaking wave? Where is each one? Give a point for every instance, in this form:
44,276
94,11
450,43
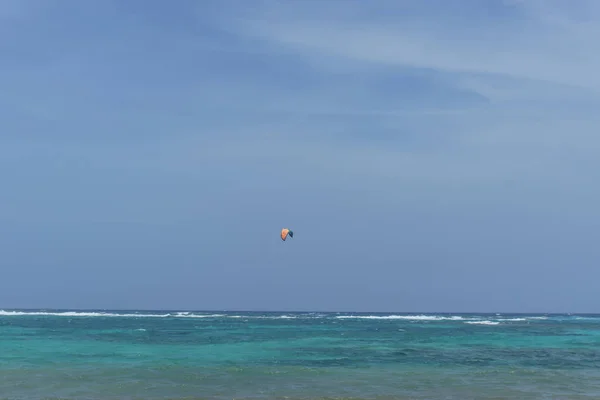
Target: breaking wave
4,313
415,318
404,317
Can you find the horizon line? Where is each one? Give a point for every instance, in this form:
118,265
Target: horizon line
289,311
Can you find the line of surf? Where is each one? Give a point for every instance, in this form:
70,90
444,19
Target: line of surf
337,316
4,313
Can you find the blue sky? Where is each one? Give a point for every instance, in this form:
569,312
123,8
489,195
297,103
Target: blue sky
428,156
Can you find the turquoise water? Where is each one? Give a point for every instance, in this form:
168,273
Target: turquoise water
171,355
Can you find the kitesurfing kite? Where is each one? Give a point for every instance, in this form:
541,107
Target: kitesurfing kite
285,233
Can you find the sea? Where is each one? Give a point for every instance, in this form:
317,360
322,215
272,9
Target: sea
102,354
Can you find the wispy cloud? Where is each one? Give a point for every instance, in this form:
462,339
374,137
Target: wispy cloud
428,87
547,41
520,77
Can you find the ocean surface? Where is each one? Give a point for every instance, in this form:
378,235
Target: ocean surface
100,355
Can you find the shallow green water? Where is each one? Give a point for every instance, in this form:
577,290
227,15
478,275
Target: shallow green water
159,355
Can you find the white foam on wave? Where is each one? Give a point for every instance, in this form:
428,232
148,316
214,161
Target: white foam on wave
482,322
187,314
4,313
587,318
181,314
404,317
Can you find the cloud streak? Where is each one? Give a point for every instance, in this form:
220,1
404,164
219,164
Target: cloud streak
522,40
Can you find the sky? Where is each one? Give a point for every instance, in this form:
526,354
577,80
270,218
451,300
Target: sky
428,155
